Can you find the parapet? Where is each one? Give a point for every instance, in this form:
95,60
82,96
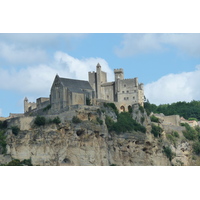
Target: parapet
119,70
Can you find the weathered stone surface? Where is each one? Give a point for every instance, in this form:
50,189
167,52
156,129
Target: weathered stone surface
62,145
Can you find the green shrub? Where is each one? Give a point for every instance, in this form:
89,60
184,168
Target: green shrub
113,106
141,108
154,119
17,162
3,124
196,147
125,123
15,130
156,130
142,120
176,134
172,139
168,152
109,123
47,108
88,101
40,121
99,121
130,110
190,133
56,120
76,120
193,119
2,142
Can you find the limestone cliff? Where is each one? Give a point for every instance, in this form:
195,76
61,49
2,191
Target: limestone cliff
90,144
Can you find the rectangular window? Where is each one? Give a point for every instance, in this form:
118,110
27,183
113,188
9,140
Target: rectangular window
122,91
127,98
127,91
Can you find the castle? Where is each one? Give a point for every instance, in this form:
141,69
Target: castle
67,92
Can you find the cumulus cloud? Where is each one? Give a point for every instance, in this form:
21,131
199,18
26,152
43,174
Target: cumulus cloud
133,44
17,55
31,48
174,87
37,80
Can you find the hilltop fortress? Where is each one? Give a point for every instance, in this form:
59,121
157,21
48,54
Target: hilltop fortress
69,92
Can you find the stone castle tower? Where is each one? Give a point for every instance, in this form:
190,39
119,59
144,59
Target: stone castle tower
124,92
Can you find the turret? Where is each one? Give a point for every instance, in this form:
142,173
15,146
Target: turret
25,105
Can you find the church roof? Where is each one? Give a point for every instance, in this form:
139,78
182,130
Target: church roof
78,86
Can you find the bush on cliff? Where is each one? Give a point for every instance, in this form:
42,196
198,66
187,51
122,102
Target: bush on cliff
125,123
76,120
40,121
156,130
2,142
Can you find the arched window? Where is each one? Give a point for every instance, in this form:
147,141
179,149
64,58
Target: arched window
122,108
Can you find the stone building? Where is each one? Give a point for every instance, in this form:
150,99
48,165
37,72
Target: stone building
67,92
124,92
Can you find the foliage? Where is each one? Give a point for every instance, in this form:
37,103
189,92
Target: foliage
168,152
17,162
15,130
196,147
3,125
184,109
154,119
40,121
190,133
125,123
109,123
193,119
130,110
142,120
172,139
88,101
47,108
99,121
141,108
2,142
76,120
175,133
156,130
56,120
113,106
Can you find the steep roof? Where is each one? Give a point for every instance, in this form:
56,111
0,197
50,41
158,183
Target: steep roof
78,86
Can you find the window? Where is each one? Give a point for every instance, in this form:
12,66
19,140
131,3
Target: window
127,91
122,91
127,98
125,85
133,97
124,98
134,90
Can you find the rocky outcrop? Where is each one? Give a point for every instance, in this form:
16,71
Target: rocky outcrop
83,144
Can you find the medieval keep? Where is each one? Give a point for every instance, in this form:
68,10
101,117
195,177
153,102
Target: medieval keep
67,92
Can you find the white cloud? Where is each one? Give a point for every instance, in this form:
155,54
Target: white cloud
133,44
18,55
174,87
0,112
37,80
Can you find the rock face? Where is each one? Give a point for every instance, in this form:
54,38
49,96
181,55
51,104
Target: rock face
84,144
89,144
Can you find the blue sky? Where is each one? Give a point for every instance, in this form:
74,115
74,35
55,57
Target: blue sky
168,64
